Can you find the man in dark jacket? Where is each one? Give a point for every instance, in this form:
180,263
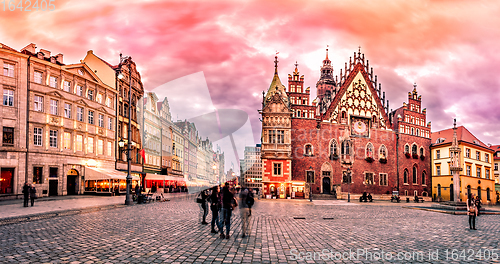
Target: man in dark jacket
246,202
227,207
26,192
32,194
215,207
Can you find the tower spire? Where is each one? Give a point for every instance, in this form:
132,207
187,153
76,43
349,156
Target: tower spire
276,63
326,52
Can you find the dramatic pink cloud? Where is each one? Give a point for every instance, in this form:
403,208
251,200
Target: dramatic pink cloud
449,48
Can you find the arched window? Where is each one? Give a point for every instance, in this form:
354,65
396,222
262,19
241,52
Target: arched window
414,174
382,152
345,150
308,151
407,149
369,150
423,177
333,150
414,149
421,152
405,176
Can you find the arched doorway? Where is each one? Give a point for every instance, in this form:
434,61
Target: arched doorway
326,175
71,182
451,192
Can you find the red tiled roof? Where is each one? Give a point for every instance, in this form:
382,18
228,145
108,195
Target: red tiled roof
462,135
496,148
3,46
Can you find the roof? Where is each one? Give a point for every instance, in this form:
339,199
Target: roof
495,148
3,46
463,135
275,86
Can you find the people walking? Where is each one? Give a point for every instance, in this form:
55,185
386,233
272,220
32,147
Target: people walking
32,194
228,202
26,192
472,212
204,197
246,203
215,206
477,201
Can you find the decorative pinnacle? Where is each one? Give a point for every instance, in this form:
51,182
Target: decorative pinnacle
296,64
326,52
276,63
359,50
415,85
454,123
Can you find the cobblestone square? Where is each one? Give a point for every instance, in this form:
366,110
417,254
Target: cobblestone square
282,231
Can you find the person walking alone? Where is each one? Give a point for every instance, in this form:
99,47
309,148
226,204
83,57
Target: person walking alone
204,197
228,202
26,192
472,212
246,203
215,206
32,194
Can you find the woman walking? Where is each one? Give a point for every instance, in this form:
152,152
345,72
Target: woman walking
228,203
204,197
472,212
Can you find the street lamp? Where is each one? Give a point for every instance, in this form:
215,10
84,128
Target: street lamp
127,60
348,185
310,173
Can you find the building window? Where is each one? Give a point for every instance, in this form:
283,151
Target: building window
346,177
101,120
53,82
79,90
90,95
99,98
110,149
423,178
8,97
276,169
110,123
90,145
478,172
38,103
438,154
308,150
54,107
37,136
383,152
8,136
38,77
8,69
345,149
53,138
414,149
369,151
421,152
438,170
79,114
67,140
383,179
37,175
487,174
407,149
467,153
67,110
414,174
487,157
333,150
79,143
478,155
100,146
108,102
91,117
6,180
67,86
496,166
369,178
468,170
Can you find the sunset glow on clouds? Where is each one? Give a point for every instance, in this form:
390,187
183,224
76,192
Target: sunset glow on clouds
449,48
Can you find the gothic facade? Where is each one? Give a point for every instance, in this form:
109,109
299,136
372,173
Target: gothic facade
347,140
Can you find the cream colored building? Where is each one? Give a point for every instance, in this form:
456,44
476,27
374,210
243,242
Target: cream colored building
71,122
476,161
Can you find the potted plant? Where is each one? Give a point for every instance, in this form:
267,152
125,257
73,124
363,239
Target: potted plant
407,155
415,155
422,157
369,159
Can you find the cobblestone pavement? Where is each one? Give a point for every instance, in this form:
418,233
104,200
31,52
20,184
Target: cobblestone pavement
281,232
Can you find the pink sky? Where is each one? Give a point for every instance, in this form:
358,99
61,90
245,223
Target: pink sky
449,48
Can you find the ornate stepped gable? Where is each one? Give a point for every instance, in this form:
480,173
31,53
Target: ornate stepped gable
358,95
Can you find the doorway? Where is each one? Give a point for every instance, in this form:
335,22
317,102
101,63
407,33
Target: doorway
71,186
53,184
326,185
451,193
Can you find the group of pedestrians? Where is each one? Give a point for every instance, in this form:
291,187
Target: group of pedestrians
222,203
473,206
29,192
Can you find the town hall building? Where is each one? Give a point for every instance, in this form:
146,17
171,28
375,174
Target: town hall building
346,141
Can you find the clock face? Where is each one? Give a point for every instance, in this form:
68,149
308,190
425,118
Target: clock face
359,127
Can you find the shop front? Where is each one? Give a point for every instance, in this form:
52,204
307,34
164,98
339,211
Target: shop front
277,190
107,181
298,190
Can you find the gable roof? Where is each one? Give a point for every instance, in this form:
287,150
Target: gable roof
3,46
463,135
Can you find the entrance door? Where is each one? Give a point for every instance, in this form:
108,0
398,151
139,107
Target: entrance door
71,186
53,184
451,193
326,185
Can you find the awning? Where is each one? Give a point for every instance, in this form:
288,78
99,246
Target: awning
106,174
156,177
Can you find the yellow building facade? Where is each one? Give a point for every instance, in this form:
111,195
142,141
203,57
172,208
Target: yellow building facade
476,161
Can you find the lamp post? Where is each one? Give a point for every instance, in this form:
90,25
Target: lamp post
348,185
127,60
310,173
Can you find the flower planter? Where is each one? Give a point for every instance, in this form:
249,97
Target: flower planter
407,155
383,161
369,159
415,156
422,157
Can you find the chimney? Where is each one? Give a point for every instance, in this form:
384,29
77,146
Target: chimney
59,58
46,53
31,48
